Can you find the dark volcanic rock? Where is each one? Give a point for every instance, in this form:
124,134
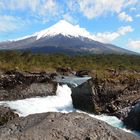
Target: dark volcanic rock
19,85
132,121
82,73
57,126
96,96
83,97
105,96
6,114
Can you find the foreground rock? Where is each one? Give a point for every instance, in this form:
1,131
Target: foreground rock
105,96
83,96
19,85
6,114
57,126
132,121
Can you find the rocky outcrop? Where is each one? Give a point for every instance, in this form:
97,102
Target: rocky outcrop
6,114
19,85
67,71
83,73
105,96
54,126
132,120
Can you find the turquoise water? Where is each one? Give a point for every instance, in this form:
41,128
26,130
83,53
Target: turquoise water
62,102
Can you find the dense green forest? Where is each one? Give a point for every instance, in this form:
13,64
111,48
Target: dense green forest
49,62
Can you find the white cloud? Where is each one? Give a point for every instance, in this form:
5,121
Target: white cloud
124,30
1,4
51,8
72,5
124,17
46,10
138,15
10,23
133,9
38,7
69,18
134,45
129,3
36,10
20,5
106,37
111,36
95,8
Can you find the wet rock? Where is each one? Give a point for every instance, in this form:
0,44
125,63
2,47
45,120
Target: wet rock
54,126
122,113
96,97
105,96
132,121
6,114
83,97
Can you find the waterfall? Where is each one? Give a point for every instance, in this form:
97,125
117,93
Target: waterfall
61,102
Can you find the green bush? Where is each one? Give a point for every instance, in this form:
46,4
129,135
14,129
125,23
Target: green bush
29,61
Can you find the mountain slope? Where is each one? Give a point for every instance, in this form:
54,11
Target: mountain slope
62,37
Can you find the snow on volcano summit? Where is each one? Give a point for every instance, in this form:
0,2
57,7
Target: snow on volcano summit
64,28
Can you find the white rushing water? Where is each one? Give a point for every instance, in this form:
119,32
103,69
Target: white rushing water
61,102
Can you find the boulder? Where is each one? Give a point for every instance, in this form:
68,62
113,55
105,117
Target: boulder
132,121
6,114
96,97
57,126
83,96
105,96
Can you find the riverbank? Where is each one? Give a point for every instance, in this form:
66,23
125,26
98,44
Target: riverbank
21,128
29,93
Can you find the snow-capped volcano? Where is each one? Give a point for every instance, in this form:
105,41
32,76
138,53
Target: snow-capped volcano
64,28
62,37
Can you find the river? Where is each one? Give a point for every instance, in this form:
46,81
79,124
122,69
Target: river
62,102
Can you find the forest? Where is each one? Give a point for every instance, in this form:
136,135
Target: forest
26,61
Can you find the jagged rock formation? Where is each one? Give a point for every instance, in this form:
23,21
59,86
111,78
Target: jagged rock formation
16,85
104,96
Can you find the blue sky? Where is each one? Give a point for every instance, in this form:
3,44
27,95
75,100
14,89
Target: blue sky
111,21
